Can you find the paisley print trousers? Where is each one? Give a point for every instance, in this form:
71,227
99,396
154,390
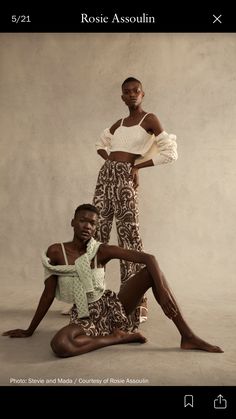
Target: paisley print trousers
105,315
116,197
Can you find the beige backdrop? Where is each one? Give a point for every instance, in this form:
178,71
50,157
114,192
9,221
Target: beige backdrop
59,91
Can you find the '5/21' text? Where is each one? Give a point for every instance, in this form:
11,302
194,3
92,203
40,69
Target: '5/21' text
20,19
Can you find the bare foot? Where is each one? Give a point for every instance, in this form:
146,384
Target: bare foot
195,342
125,337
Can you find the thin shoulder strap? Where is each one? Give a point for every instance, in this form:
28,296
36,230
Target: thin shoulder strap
64,253
121,122
143,118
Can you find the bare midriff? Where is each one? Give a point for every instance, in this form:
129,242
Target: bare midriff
123,156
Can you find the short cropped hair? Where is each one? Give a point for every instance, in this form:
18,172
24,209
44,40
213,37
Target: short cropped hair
130,79
86,207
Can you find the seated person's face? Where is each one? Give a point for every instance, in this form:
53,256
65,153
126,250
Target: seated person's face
85,223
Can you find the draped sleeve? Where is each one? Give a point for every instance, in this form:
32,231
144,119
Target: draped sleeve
104,141
166,148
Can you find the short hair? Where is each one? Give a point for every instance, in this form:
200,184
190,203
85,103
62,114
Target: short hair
130,79
86,207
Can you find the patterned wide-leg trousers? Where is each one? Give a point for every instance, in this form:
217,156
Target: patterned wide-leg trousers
116,197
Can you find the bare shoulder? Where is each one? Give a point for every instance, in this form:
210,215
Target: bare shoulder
152,117
54,252
115,126
153,124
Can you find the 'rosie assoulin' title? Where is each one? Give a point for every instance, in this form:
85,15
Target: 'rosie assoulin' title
144,18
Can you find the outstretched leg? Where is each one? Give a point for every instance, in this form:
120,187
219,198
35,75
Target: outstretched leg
71,341
136,286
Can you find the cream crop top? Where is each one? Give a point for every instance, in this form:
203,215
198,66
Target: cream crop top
136,140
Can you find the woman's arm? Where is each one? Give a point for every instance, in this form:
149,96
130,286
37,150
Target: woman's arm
167,146
103,153
151,124
161,290
107,253
104,142
45,301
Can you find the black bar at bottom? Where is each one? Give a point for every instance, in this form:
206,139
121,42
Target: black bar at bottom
209,400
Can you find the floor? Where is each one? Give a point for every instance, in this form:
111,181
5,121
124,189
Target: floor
159,362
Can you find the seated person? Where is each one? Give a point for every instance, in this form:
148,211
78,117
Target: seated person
74,273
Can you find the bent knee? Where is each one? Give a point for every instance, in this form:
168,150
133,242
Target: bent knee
59,346
62,342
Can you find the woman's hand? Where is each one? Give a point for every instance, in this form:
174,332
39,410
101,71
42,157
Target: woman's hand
135,177
18,333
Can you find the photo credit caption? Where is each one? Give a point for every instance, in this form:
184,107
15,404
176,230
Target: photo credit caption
78,381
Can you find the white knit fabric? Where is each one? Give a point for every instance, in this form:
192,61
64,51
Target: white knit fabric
166,148
78,283
161,149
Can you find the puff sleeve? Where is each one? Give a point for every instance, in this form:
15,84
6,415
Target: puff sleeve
166,148
104,141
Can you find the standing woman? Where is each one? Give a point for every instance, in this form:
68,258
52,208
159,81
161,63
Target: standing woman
132,143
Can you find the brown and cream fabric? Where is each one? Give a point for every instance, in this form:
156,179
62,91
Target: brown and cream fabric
116,197
105,315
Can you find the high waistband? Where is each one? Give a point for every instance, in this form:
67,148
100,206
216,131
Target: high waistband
113,163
